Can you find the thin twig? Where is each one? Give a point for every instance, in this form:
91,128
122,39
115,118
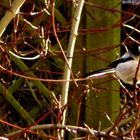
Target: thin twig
69,128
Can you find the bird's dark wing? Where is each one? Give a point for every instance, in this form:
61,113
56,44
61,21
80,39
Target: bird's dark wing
120,60
99,73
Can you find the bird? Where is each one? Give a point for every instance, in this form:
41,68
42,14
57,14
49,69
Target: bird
126,68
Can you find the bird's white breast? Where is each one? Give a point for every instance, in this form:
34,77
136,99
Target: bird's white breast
127,71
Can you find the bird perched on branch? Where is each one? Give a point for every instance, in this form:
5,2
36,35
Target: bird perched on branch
126,68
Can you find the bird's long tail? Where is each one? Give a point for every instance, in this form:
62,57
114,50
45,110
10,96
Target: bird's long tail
99,73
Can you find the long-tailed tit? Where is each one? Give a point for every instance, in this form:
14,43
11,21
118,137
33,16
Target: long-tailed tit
126,68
